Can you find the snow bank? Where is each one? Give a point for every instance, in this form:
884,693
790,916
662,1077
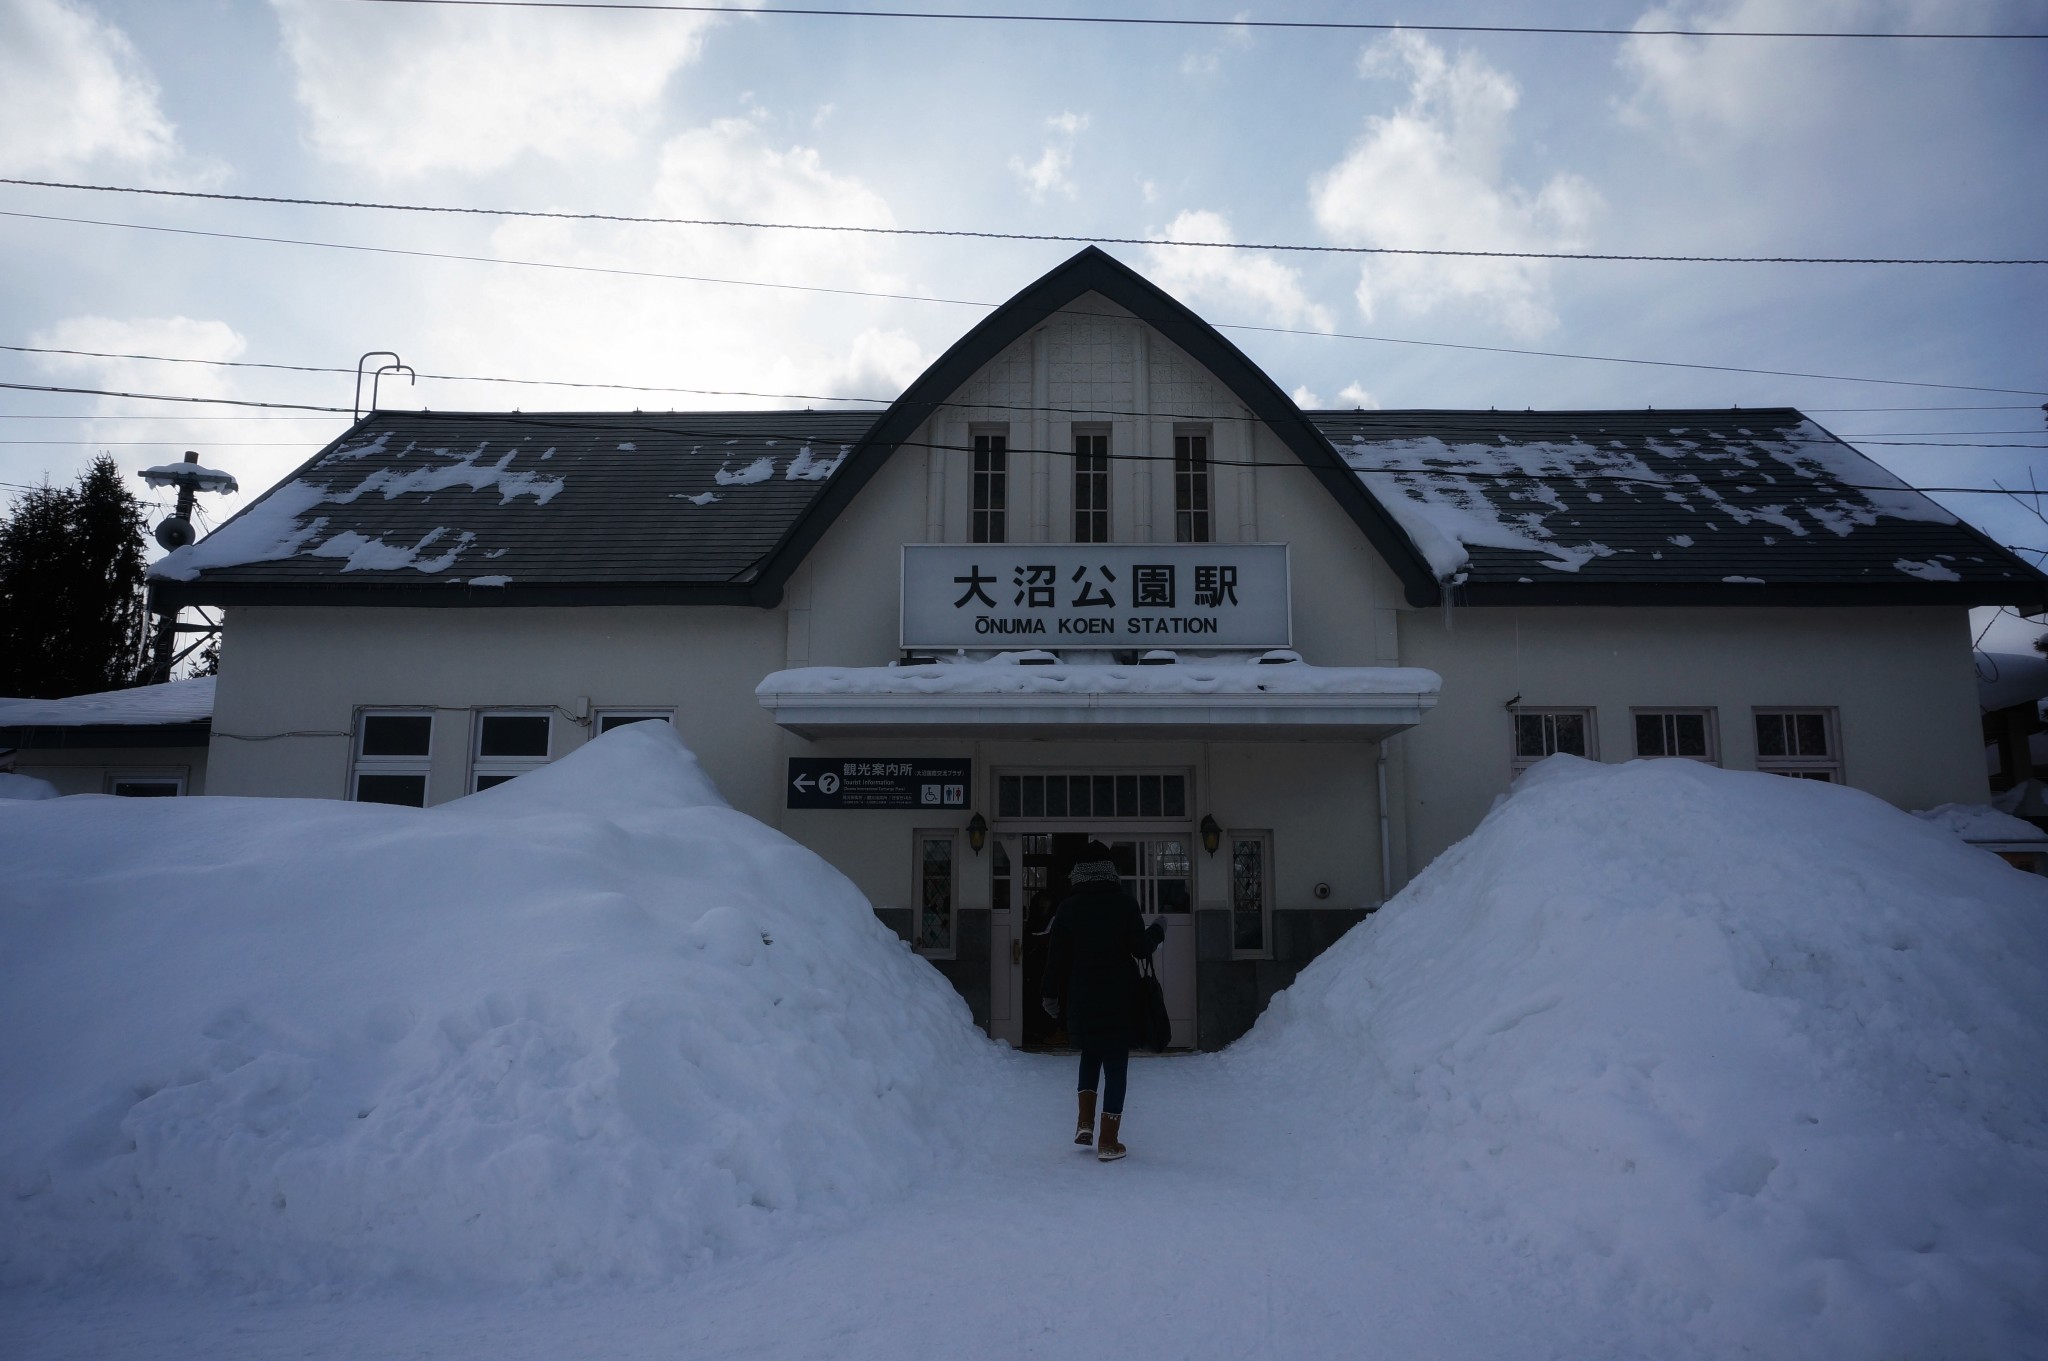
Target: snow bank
590,1024
14,786
1761,1058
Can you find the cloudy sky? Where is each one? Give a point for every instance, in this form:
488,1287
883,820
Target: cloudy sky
1730,146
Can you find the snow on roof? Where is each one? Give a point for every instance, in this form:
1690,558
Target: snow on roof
2008,678
1980,822
1738,493
1009,674
178,701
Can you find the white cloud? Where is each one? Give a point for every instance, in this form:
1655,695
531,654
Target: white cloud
1048,174
734,340
1209,60
73,90
1231,277
1354,395
405,90
1430,175
1306,400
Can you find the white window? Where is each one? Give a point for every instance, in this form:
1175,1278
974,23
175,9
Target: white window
1091,486
391,756
1191,486
1677,732
509,742
1121,795
1251,894
146,784
1798,742
991,487
934,884
1546,732
607,719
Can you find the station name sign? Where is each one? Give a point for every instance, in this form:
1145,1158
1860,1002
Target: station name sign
1205,595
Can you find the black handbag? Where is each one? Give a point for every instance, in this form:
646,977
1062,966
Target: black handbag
1155,1028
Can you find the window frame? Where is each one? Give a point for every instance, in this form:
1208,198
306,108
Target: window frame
1587,714
1192,467
988,485
1094,816
176,776
421,764
499,769
1091,486
1711,724
1264,839
599,717
1828,766
919,838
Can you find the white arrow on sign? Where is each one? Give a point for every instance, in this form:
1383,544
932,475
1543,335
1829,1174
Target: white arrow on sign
802,783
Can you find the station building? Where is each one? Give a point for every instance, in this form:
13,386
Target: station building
1095,576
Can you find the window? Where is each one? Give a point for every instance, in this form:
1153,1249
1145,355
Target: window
1160,874
1191,488
999,877
1798,742
392,747
607,719
146,784
1546,732
1676,732
991,487
508,744
932,932
1251,903
1093,795
1091,487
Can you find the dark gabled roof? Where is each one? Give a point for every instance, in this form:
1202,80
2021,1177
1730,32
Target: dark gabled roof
1701,507
468,508
719,508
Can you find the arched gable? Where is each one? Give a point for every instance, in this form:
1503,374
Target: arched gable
1094,271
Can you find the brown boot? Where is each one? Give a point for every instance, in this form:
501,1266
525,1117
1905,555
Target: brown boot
1108,1150
1084,1125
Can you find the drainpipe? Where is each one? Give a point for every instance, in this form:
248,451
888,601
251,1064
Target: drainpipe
1386,828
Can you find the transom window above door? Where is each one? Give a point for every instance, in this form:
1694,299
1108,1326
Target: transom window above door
1093,794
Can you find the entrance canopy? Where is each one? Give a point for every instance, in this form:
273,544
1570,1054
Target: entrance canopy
1033,695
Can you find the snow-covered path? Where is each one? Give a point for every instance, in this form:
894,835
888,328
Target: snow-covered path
1234,1229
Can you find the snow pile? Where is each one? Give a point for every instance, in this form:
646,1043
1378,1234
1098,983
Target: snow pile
1982,822
590,1024
1755,1057
14,786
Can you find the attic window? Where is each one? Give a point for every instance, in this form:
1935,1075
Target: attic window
991,487
1191,487
1091,486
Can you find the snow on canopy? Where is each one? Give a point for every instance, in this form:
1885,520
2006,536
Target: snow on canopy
590,1024
1012,673
1763,496
189,474
1753,1056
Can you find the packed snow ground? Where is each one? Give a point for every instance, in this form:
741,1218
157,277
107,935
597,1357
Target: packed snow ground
1662,1061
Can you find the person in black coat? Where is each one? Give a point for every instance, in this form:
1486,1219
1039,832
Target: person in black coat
1098,934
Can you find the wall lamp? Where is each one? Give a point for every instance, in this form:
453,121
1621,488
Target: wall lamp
977,832
1212,835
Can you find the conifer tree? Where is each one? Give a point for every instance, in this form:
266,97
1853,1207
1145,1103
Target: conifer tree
72,618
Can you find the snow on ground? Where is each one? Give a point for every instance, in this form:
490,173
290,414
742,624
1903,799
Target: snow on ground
1661,1061
591,1024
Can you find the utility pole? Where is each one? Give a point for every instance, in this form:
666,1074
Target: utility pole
174,533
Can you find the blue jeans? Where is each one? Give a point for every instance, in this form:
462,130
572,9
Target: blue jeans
1115,1065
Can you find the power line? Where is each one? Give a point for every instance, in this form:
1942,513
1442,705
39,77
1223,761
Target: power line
162,397
1057,237
1135,21
174,443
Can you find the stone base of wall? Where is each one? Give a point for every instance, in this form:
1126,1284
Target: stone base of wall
1231,993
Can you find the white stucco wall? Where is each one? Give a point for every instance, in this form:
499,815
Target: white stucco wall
1900,680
